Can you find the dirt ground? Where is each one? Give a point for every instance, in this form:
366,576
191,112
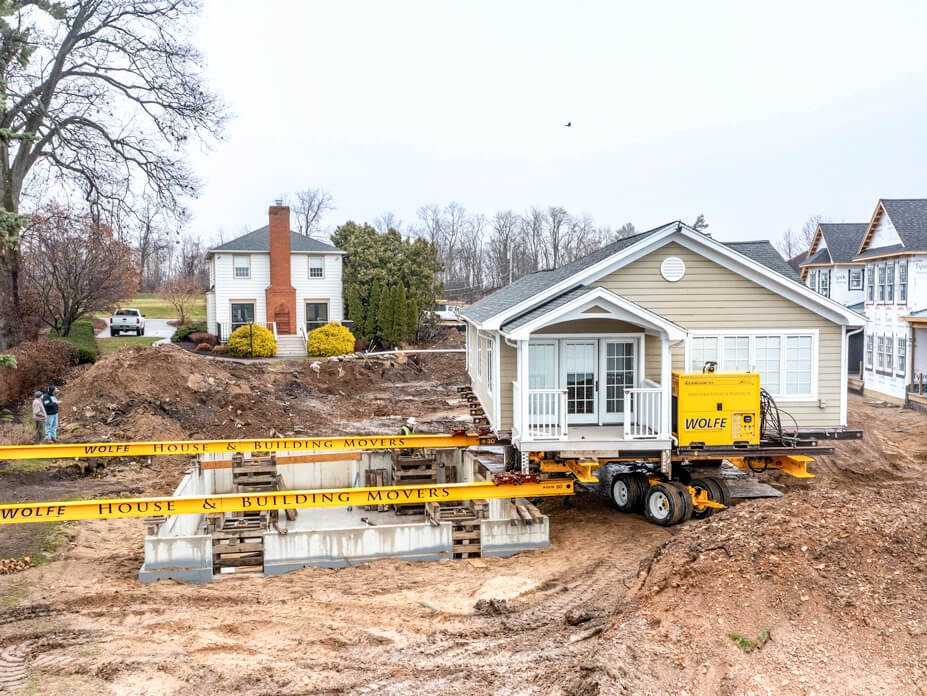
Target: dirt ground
834,571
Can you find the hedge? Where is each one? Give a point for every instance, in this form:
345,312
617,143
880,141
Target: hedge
240,342
331,339
183,332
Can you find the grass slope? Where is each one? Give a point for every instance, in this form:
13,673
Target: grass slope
153,306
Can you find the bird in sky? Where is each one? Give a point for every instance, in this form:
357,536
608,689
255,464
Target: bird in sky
568,124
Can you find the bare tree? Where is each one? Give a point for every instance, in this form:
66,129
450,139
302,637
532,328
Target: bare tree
626,230
75,267
532,235
791,244
388,221
809,229
180,292
557,227
700,223
101,96
309,210
502,247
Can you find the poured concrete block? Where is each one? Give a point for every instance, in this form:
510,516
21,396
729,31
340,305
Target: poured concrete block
188,559
501,538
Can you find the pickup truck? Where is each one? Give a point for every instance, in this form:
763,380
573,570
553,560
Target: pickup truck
131,320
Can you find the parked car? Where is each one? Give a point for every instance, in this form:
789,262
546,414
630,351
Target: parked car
129,320
444,312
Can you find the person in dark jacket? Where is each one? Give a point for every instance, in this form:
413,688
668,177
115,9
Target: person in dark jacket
51,403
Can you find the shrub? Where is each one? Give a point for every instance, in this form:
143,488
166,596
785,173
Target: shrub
241,344
220,349
203,338
204,347
7,361
39,364
331,339
83,337
183,332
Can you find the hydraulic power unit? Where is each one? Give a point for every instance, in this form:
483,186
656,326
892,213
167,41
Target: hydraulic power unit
712,409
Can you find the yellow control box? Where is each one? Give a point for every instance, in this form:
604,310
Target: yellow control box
712,409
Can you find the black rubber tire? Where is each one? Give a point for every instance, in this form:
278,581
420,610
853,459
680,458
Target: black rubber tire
685,502
661,504
625,493
142,332
711,489
112,333
644,484
724,493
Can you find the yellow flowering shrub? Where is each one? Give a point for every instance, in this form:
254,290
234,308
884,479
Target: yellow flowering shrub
331,339
240,342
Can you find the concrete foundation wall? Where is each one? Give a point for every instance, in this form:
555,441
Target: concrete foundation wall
500,538
187,558
335,548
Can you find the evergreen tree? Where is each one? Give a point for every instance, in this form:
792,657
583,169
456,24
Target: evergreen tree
411,320
398,302
373,308
385,318
356,312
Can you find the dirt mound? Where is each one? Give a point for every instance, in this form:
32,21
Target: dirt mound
827,574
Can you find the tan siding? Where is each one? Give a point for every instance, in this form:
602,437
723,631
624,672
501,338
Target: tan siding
596,326
710,296
508,367
652,358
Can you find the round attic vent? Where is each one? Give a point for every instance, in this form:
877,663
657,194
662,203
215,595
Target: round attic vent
673,268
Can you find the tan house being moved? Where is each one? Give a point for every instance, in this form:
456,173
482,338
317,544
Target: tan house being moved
580,358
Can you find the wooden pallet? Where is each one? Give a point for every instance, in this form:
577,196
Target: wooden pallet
238,546
375,477
465,536
415,469
255,473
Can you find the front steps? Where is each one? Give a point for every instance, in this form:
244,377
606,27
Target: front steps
291,347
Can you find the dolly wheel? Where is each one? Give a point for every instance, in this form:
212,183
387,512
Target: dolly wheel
711,491
684,514
721,489
661,504
626,493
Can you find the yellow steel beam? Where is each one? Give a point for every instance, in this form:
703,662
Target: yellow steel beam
274,500
794,465
581,470
303,444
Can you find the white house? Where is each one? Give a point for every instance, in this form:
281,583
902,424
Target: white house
274,277
830,269
894,251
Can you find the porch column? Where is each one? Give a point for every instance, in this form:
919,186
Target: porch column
522,377
666,386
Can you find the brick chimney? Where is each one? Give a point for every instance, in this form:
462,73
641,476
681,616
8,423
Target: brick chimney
281,295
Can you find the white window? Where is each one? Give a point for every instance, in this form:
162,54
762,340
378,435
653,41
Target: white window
768,360
798,365
469,347
900,357
890,283
856,279
825,282
703,349
881,283
813,279
869,342
479,357
316,267
902,294
736,354
880,353
889,347
242,266
870,283
786,362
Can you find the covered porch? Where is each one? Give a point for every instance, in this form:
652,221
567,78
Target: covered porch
593,373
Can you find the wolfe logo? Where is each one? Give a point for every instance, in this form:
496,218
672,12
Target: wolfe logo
706,423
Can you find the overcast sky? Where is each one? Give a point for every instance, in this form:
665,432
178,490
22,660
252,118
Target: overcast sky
758,115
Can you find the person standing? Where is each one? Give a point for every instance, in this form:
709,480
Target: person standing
51,403
38,415
407,429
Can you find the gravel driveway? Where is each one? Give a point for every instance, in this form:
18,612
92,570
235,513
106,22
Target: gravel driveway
153,327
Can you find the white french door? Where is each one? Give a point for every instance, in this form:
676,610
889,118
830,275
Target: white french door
580,378
618,372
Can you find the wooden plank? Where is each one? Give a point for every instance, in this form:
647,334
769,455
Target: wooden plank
475,534
247,547
233,562
353,456
533,511
524,514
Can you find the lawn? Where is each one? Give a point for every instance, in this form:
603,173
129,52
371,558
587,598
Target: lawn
108,346
82,337
153,306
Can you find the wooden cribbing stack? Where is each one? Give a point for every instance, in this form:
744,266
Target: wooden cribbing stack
464,518
417,468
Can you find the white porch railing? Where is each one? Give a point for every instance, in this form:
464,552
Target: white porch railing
547,415
226,328
643,413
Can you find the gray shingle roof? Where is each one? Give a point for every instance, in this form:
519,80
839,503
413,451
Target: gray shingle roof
543,309
843,239
919,314
822,256
259,240
763,252
527,286
882,251
859,307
